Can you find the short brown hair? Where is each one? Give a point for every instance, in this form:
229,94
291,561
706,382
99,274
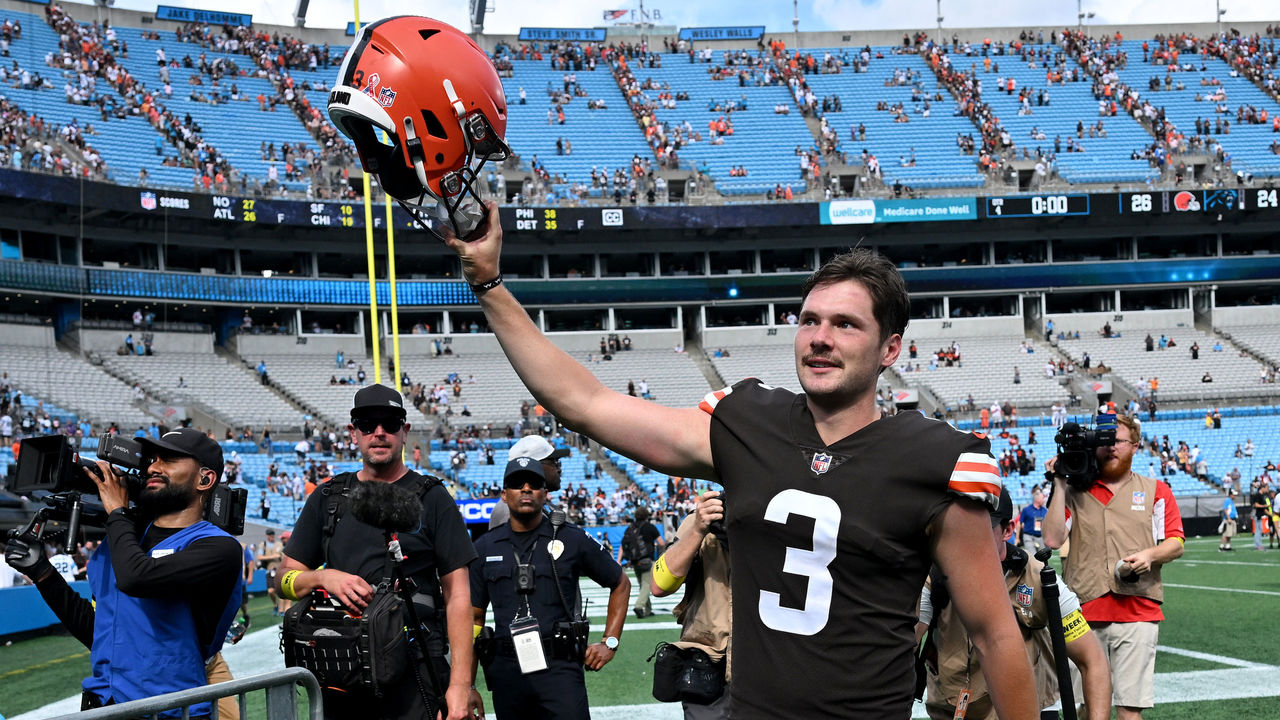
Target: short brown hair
889,300
1135,427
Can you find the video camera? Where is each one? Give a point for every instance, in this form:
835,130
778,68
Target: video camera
1077,446
47,468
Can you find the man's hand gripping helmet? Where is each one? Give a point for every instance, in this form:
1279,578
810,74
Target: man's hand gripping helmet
438,98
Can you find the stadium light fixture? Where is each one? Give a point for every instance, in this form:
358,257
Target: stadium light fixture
733,291
795,23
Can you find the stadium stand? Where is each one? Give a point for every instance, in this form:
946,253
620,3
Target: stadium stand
1217,446
229,390
920,152
73,384
986,372
1262,340
1180,378
603,139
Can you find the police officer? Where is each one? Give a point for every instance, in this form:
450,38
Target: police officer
529,569
955,679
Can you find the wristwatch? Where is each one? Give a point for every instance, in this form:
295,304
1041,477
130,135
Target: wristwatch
611,642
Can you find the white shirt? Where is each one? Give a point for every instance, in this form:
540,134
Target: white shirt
65,565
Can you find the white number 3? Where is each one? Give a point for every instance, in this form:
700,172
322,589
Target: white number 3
813,564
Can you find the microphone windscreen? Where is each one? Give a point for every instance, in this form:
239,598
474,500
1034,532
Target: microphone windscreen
386,507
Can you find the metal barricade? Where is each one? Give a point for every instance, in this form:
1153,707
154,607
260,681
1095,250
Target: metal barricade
281,698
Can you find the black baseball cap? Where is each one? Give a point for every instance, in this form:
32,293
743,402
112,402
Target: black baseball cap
378,401
188,442
1003,513
522,465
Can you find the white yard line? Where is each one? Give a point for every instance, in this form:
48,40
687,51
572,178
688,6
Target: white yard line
1222,589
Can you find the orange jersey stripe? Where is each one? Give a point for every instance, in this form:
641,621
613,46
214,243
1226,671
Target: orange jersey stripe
963,466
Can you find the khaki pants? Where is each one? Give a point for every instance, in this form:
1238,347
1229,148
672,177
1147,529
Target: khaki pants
217,671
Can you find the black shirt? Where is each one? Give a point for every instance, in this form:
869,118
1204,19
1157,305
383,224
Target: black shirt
1259,502
439,547
203,574
493,578
830,549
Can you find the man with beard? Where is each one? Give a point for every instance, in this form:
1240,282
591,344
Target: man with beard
1123,529
350,556
530,570
165,582
826,596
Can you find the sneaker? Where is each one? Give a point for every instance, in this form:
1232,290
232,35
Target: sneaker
640,613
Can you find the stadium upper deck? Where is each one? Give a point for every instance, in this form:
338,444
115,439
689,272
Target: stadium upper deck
144,102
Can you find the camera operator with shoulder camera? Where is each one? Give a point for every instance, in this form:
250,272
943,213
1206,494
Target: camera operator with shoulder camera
699,559
166,583
1123,528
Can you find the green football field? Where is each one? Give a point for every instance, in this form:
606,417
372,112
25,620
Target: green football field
1216,660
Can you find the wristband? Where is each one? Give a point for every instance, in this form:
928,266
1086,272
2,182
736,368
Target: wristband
482,288
286,584
663,578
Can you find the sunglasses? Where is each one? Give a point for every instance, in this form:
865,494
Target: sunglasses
368,426
517,482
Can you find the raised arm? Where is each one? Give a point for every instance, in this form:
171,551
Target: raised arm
674,441
961,538
1055,520
674,565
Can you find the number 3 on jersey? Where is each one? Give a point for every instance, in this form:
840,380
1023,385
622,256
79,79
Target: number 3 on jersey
813,564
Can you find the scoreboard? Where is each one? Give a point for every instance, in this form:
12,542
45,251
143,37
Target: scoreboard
1029,206
1221,200
1260,202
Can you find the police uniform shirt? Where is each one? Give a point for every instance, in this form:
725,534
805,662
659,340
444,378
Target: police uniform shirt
440,546
493,577
830,549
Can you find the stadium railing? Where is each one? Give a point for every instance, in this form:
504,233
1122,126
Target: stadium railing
282,700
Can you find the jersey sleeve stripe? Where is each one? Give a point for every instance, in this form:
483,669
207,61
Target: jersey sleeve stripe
976,488
974,467
709,402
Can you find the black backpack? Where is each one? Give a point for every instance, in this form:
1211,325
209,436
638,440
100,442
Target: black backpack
636,549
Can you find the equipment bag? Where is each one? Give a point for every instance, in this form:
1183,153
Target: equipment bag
686,675
368,652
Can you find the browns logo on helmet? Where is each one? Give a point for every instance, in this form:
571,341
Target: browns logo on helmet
437,97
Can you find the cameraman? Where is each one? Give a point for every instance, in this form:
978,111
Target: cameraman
166,583
1123,528
700,555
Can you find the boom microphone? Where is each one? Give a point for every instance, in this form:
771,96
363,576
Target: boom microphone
386,507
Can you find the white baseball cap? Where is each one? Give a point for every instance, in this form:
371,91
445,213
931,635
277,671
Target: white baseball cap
536,447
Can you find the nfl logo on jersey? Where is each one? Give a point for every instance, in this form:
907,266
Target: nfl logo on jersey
821,463
148,200
1023,595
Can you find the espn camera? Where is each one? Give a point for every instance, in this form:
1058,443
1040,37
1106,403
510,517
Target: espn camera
49,470
1077,450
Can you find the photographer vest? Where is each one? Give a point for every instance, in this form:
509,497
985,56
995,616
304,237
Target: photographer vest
705,613
1102,535
958,666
